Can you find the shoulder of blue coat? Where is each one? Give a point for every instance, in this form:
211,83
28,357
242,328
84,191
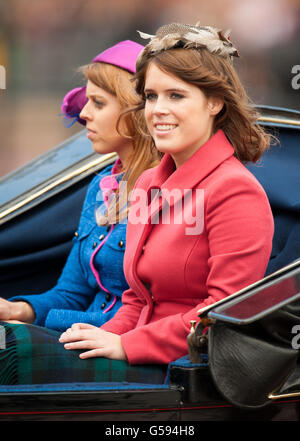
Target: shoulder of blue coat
101,174
92,194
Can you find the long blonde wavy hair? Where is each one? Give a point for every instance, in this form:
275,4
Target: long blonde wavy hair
118,82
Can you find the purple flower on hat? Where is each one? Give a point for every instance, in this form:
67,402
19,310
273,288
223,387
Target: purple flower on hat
123,54
73,103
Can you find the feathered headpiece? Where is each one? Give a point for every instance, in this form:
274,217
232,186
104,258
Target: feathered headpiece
187,36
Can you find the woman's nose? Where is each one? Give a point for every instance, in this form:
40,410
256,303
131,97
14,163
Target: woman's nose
85,113
160,106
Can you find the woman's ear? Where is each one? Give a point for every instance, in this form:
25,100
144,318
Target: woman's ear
215,105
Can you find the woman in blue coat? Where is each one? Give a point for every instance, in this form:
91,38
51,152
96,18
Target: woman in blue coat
90,287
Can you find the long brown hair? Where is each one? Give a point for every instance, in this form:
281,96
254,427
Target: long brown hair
216,77
117,82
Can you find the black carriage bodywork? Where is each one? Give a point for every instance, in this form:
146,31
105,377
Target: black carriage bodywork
37,223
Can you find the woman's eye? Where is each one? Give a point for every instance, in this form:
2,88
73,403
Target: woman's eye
150,96
98,104
176,96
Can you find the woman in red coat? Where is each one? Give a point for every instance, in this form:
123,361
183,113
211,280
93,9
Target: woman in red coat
200,226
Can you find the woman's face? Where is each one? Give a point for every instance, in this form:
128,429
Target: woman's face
178,114
101,114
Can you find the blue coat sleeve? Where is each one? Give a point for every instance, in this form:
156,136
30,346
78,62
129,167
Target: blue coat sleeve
73,291
61,319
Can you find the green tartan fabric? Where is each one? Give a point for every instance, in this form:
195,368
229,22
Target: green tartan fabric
33,355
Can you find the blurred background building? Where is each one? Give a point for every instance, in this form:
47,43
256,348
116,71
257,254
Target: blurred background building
42,42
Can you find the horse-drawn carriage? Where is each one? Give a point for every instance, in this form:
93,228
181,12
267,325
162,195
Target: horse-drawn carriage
242,361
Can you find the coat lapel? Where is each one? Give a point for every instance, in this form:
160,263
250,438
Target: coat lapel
215,151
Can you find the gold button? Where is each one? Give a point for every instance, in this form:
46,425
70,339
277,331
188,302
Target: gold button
76,234
94,244
121,243
102,237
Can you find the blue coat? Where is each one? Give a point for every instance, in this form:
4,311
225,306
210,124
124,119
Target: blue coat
86,291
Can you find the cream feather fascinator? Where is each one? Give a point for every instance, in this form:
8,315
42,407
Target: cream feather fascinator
187,36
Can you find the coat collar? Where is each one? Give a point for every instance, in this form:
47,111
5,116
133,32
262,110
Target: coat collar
209,156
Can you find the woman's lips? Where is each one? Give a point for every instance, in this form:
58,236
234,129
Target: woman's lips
162,129
90,133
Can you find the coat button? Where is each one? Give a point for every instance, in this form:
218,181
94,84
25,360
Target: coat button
103,305
107,297
121,244
102,237
94,245
76,234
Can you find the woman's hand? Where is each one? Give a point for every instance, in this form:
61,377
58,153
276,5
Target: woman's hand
96,341
16,312
5,310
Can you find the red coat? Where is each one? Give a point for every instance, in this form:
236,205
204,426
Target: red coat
173,273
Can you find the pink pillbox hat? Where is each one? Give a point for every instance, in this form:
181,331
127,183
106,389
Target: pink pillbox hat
123,54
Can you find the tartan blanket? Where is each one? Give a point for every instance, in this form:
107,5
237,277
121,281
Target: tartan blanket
31,354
